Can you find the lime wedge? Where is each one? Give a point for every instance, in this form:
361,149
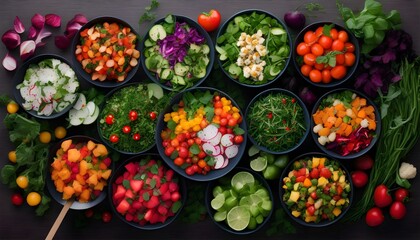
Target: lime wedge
217,190
259,219
218,202
258,164
219,216
231,202
253,150
240,179
238,218
263,193
253,203
252,223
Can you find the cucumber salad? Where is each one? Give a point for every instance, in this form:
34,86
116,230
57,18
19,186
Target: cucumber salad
176,53
254,48
48,87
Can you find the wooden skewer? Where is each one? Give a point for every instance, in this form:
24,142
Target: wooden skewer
59,219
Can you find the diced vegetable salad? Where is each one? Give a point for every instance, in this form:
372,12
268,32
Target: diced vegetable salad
48,87
81,170
107,51
316,189
254,48
345,123
177,53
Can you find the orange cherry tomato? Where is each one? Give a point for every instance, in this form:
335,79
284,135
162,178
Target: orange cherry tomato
319,66
337,45
343,36
302,49
339,59
349,47
319,31
315,75
309,37
325,42
305,70
334,34
309,59
326,76
317,49
338,72
349,59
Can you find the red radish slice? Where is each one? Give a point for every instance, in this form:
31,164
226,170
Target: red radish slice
227,140
219,160
216,140
217,150
208,132
231,151
10,63
209,149
222,149
225,163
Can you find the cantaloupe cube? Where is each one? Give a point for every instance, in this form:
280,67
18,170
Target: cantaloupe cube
99,186
93,179
73,155
83,167
57,165
296,213
65,145
77,186
91,145
106,174
315,162
68,192
84,196
59,185
80,179
64,174
336,211
310,218
100,150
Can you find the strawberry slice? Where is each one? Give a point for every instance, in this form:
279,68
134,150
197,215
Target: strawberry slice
120,193
153,202
136,185
123,206
132,168
162,210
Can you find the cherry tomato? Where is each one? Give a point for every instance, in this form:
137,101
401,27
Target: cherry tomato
313,195
109,119
305,70
45,137
349,47
133,115
189,171
60,132
302,49
175,196
334,34
106,217
309,37
223,122
325,42
397,210
114,138
401,195
315,75
152,115
359,178
319,66
202,154
169,150
270,115
317,49
381,196
136,136
179,161
126,129
12,156
364,162
325,172
349,59
309,59
238,139
210,21
22,182
319,32
338,72
339,59
337,45
33,199
12,107
311,210
314,174
232,122
374,217
183,152
17,199
326,76
343,36
293,100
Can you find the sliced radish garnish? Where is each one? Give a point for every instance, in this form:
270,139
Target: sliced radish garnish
231,151
209,149
216,140
216,150
227,140
218,161
208,132
225,163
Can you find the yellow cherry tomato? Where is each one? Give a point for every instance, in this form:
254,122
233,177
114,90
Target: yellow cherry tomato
22,182
33,199
12,107
45,137
60,132
12,156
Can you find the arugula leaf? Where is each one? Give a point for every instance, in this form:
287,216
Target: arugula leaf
20,128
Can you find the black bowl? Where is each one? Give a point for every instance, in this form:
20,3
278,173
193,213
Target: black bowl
87,76
222,63
226,179
213,174
19,77
201,31
57,196
119,172
121,116
306,119
354,154
350,70
323,222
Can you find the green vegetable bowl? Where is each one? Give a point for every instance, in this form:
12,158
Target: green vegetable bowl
241,202
253,48
128,117
316,190
177,53
277,120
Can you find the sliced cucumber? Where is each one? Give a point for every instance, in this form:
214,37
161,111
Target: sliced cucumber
234,69
156,90
78,116
157,32
238,20
205,49
91,107
170,19
148,43
91,118
167,74
278,31
199,71
81,102
195,48
275,70
180,69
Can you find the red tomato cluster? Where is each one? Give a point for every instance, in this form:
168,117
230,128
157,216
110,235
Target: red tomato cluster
326,54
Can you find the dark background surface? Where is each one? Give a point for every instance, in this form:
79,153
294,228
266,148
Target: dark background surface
21,223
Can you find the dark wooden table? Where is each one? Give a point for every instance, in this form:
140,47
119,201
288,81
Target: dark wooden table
21,223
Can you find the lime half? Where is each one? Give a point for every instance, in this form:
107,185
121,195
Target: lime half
258,164
238,218
240,179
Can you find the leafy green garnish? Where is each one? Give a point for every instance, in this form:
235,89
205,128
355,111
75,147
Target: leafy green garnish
148,15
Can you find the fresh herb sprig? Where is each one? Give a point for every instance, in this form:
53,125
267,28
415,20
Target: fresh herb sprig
148,14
